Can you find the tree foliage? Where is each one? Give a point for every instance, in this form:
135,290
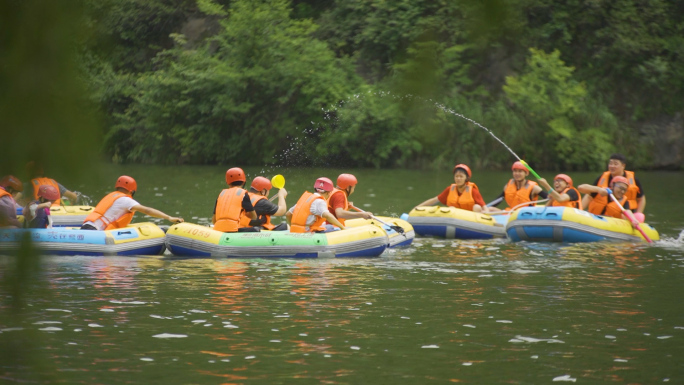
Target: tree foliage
377,83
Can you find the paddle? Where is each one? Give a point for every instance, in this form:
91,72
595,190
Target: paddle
278,182
396,228
529,168
629,215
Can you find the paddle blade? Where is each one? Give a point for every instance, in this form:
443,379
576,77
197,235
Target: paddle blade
530,168
278,181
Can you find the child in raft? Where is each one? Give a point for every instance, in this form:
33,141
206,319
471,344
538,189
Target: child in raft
462,194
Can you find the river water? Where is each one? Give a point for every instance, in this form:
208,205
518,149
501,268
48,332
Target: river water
441,311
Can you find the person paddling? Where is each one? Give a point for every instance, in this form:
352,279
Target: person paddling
635,193
338,202
619,185
563,194
265,209
462,194
117,208
233,204
519,190
10,187
311,210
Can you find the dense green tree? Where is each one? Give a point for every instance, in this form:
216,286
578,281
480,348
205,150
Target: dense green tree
239,97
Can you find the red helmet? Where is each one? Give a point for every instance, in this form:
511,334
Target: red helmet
464,167
235,174
619,179
126,182
260,183
48,192
519,166
12,182
346,180
564,177
324,184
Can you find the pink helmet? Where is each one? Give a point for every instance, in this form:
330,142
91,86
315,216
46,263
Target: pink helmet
324,184
346,180
260,183
48,192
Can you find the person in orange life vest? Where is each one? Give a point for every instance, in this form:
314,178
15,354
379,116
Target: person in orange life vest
36,174
265,209
117,208
10,187
234,204
635,193
463,194
562,193
619,185
338,203
311,210
519,190
37,212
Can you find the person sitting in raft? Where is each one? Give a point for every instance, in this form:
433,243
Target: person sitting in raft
338,202
620,186
562,194
519,190
462,194
10,187
311,210
117,208
234,204
265,209
37,212
635,193
36,174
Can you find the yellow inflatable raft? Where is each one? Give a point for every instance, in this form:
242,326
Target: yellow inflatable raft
565,224
187,239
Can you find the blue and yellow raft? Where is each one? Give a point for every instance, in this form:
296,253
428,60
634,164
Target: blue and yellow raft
450,222
136,239
395,239
565,224
65,216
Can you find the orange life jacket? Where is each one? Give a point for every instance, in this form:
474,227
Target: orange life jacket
4,192
37,182
515,196
612,209
346,203
598,203
229,209
104,205
244,219
463,201
575,204
302,212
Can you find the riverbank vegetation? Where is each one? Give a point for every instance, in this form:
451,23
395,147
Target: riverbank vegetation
374,83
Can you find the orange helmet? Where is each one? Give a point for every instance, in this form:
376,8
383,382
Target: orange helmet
126,182
346,180
519,166
464,167
235,174
260,183
48,192
565,178
619,179
324,184
12,182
